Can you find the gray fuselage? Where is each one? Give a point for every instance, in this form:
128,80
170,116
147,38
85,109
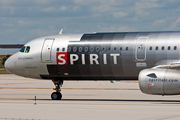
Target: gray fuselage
97,56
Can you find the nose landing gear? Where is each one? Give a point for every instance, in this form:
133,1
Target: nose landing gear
57,95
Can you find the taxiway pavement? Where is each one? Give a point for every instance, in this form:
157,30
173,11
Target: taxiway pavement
82,100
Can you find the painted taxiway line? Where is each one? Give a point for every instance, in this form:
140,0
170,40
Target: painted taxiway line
71,88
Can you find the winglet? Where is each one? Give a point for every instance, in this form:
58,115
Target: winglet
61,31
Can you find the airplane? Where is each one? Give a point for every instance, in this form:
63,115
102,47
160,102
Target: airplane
152,58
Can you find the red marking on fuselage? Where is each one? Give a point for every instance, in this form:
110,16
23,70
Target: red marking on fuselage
61,58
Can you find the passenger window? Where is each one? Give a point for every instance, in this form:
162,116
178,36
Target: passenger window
97,49
27,49
115,48
162,47
92,49
22,49
86,49
109,48
69,49
80,49
74,49
120,48
63,49
156,47
57,50
169,48
103,49
175,47
150,48
126,48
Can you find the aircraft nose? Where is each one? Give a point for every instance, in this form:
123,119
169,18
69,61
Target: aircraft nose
8,64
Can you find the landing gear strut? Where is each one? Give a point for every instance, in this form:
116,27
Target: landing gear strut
57,95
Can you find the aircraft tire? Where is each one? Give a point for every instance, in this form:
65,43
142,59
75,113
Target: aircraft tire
56,96
60,96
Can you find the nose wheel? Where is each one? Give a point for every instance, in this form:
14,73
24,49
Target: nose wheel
57,95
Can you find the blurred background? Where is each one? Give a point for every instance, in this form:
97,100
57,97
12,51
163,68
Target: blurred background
24,20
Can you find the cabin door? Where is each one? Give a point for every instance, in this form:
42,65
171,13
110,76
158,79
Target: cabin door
46,50
140,53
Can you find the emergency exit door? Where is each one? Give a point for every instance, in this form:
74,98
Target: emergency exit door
46,50
141,49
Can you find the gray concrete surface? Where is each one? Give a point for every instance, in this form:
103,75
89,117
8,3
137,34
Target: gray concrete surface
87,100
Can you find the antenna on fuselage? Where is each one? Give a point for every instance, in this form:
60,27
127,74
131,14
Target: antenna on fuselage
60,32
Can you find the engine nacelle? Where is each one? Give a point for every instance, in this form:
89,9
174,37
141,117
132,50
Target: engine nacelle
160,81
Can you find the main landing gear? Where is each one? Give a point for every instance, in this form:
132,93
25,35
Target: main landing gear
57,95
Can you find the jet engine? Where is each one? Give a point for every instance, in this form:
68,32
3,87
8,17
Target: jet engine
160,81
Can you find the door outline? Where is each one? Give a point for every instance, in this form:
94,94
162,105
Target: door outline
138,42
43,51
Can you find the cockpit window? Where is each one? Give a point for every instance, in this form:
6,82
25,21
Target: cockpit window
27,49
22,49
